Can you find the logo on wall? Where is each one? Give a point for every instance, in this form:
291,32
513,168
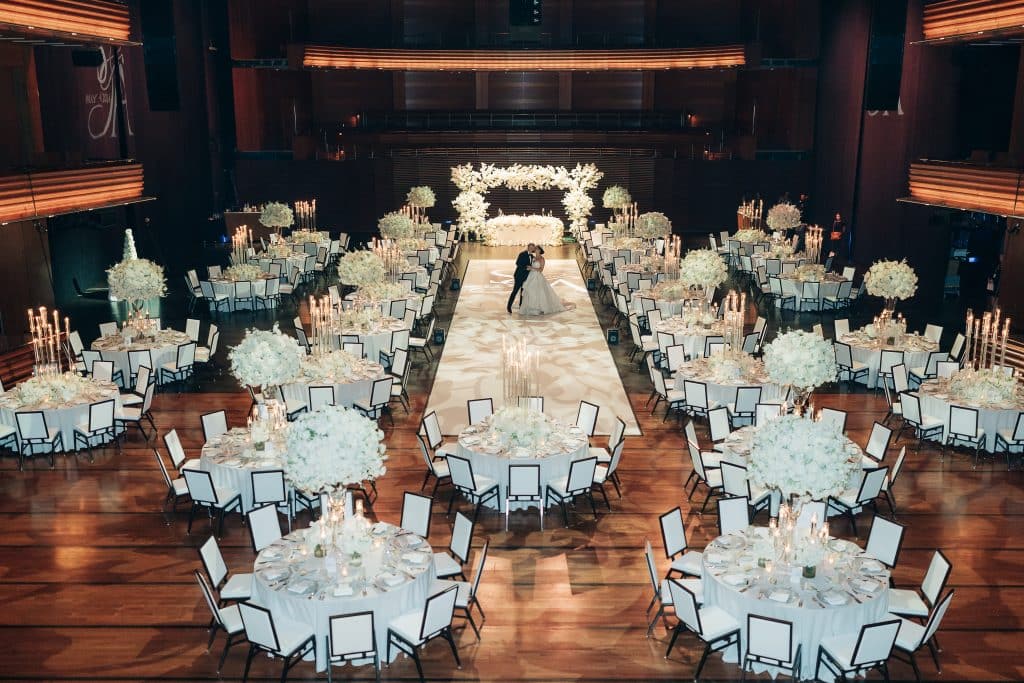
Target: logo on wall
102,119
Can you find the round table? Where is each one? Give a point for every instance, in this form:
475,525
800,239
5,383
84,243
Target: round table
669,306
936,399
350,383
395,578
847,593
412,300
64,416
722,390
692,337
293,260
226,287
162,347
868,350
374,339
793,287
231,458
484,448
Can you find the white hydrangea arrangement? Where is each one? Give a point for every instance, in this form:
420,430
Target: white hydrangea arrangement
521,427
332,448
809,272
616,197
725,368
652,225
703,268
986,386
783,216
243,272
360,319
750,236
281,250
396,225
303,236
339,366
421,196
265,358
803,360
891,280
67,388
136,279
672,290
277,215
360,267
382,291
800,457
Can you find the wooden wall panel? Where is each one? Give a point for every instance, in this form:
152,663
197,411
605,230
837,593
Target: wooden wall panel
784,28
350,22
338,95
612,17
426,90
710,95
25,277
523,91
21,133
271,108
436,19
607,91
785,100
698,22
263,28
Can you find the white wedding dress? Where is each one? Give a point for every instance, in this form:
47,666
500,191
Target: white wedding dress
539,298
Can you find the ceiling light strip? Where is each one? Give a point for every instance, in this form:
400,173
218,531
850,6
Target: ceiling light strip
52,192
955,18
98,19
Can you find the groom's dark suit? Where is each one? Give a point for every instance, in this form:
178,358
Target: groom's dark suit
523,262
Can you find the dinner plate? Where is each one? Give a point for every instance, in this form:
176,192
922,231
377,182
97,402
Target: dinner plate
273,574
833,598
302,586
782,596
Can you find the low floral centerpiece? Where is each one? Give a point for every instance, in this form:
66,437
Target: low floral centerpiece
673,290
332,448
304,236
750,236
990,386
280,250
703,268
801,457
277,215
360,319
62,389
265,358
729,367
783,216
779,249
421,197
801,360
652,225
243,272
809,272
521,427
361,267
383,291
891,280
396,225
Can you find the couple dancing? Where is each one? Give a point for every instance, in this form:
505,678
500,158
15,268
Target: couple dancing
537,297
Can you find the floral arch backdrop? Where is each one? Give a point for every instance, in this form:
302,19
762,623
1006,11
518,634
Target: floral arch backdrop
474,183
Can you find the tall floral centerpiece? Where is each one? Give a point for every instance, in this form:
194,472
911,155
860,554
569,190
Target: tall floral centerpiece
703,268
265,358
783,216
277,215
652,225
421,198
135,279
891,280
801,360
360,268
396,225
616,198
332,448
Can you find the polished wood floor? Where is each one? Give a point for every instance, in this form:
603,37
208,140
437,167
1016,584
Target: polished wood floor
96,583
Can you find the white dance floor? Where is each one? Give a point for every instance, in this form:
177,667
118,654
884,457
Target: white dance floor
575,362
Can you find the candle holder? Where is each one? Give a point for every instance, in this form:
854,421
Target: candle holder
241,243
51,345
518,370
987,338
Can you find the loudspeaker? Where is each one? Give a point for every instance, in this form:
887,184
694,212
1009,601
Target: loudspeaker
86,57
456,283
160,54
613,336
525,12
438,336
885,54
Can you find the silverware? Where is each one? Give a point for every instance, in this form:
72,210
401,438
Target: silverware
854,596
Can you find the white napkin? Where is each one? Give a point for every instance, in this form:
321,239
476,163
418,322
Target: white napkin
865,585
715,558
414,558
779,596
391,579
834,598
301,586
343,590
872,566
274,573
413,541
735,579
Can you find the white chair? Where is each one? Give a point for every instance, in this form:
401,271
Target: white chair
878,444
439,448
278,637
718,423
579,482
586,417
673,536
413,630
733,514
715,627
763,412
523,487
225,619
924,426
703,473
944,369
855,654
845,363
350,639
890,481
138,358
32,432
770,642
914,636
451,563
608,471
884,541
673,398
219,499
851,500
204,354
192,329
735,483
964,429
745,406
662,595
833,417
841,327
264,526
604,455
134,415
933,332
177,453
438,469
229,587
416,511
1007,438
176,488
930,369
183,365
478,409
477,489
212,296
908,603
320,397
108,329
137,395
98,430
269,487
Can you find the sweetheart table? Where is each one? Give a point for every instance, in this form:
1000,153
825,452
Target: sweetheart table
522,230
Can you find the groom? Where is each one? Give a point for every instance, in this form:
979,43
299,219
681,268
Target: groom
523,262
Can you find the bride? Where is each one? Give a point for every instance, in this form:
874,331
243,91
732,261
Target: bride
539,297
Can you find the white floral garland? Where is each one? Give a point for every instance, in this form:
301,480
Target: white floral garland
421,196
652,225
703,268
277,215
800,457
891,280
332,448
616,197
136,279
265,358
396,225
360,268
783,216
800,359
474,183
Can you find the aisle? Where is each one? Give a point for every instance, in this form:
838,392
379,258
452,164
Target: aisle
574,359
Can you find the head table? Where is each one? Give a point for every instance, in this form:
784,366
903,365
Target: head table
162,347
394,576
847,592
491,454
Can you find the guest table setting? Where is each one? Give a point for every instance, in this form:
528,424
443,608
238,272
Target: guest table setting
351,377
254,274
994,393
672,298
723,374
63,398
868,342
161,344
692,329
230,458
793,286
373,329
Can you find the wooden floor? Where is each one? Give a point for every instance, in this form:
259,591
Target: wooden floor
96,584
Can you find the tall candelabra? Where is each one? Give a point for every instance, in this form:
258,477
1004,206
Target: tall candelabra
49,342
518,370
986,341
241,242
733,315
321,322
305,214
417,214
812,243
749,214
393,257
673,252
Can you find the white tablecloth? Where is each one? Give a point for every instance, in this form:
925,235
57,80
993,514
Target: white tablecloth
936,400
64,417
724,392
869,351
691,337
317,606
374,341
230,459
163,348
224,287
478,444
412,300
795,288
348,388
812,620
522,230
